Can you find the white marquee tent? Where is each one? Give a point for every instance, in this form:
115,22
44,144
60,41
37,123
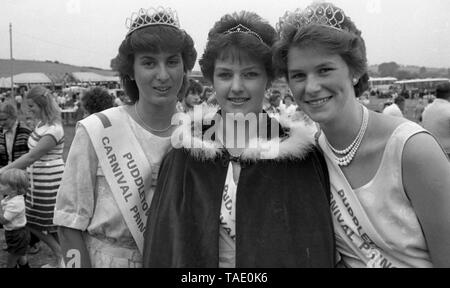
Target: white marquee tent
32,78
5,82
93,77
25,79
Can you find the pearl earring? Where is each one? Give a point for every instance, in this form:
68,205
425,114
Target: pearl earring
355,81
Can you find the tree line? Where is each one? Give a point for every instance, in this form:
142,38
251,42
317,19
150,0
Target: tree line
392,69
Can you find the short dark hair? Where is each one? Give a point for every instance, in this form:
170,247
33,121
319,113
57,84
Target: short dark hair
443,91
348,44
96,99
222,45
194,88
9,108
274,97
154,38
275,91
399,100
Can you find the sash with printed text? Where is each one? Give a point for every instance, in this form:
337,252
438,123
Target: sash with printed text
124,165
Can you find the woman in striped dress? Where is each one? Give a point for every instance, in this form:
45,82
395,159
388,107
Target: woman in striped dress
45,166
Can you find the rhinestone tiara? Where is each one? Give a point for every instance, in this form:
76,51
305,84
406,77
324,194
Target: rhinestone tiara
152,16
323,14
242,29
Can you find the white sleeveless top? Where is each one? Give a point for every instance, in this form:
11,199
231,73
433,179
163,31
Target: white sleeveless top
387,220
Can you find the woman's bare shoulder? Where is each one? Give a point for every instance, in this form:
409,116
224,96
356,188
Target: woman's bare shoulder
384,125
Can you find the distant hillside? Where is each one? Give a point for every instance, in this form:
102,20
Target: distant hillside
47,67
411,71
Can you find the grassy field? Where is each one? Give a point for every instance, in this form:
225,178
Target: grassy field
376,104
44,256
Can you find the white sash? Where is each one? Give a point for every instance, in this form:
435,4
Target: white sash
228,210
351,222
124,165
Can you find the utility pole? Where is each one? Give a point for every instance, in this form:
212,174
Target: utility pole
12,60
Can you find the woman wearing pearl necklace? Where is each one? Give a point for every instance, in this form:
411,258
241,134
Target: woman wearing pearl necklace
389,177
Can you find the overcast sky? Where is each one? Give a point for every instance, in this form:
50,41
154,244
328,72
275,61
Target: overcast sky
89,32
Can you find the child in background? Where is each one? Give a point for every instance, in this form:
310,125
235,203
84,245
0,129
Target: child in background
13,186
193,96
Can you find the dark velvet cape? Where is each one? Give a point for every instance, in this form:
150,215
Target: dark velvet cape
282,213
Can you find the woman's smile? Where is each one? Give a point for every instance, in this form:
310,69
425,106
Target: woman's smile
238,100
319,102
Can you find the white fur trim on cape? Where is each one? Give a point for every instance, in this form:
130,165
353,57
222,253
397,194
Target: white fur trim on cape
299,142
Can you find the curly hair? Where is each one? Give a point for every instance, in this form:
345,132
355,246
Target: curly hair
443,91
9,108
194,88
96,99
154,39
347,43
222,45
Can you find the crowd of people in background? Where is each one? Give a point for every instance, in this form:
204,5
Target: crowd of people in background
17,125
277,102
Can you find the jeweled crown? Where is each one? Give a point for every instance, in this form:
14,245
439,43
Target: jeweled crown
152,16
324,14
242,29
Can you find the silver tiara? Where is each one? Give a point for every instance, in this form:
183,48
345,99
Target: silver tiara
152,16
242,29
323,14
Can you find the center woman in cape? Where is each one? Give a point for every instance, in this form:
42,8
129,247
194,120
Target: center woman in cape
237,193
112,167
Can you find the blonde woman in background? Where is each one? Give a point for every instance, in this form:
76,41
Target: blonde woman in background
45,167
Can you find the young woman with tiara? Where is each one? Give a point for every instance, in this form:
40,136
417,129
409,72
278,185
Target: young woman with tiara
240,190
389,177
112,167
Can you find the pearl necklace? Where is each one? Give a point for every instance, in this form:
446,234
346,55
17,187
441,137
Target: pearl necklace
350,152
148,127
